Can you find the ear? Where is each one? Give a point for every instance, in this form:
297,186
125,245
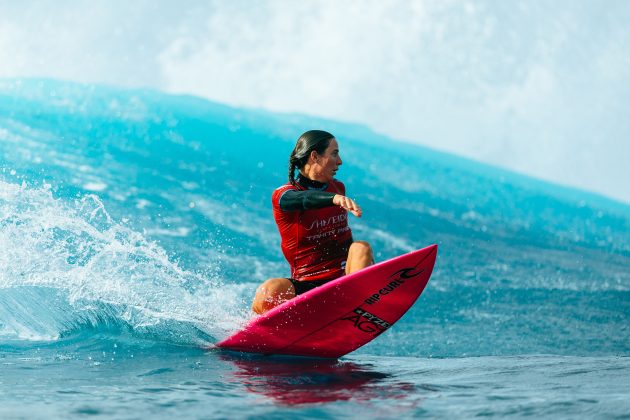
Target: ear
313,156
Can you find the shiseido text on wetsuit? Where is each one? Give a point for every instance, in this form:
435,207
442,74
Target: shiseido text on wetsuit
330,221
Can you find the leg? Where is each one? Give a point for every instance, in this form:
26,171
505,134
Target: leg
272,293
359,256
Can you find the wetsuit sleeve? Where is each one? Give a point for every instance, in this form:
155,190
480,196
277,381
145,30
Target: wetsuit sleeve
292,200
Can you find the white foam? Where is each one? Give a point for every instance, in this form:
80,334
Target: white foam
75,248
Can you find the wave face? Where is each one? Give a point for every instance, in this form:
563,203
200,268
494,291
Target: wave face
139,212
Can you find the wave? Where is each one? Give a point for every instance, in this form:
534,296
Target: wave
132,211
68,266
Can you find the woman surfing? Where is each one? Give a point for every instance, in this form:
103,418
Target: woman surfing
311,213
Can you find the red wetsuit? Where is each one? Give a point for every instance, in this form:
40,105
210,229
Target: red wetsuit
315,241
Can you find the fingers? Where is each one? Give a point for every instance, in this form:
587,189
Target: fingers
348,204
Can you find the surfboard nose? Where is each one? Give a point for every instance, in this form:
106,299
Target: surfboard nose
429,255
431,249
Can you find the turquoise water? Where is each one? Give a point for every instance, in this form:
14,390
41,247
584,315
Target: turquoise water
135,226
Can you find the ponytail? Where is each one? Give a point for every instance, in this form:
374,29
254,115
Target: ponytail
292,167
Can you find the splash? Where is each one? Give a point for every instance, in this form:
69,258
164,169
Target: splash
67,266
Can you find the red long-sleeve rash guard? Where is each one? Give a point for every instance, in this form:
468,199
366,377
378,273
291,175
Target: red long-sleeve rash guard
314,232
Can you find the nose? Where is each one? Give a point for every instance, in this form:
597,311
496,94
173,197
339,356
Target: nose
339,162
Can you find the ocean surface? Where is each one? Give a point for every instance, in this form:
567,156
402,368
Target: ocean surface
136,225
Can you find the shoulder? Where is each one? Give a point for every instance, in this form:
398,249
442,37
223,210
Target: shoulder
278,192
338,183
338,186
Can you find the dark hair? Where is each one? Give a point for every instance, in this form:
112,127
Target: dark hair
317,140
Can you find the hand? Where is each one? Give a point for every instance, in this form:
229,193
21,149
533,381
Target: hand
348,204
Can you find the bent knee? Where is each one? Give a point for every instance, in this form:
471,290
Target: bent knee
362,247
272,293
275,287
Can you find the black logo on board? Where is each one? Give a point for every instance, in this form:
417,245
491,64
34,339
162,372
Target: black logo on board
398,279
367,322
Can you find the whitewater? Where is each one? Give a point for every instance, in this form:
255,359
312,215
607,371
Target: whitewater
136,225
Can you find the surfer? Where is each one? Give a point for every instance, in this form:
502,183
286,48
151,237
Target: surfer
311,212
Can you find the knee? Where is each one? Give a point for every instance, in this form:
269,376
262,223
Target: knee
362,248
272,293
275,287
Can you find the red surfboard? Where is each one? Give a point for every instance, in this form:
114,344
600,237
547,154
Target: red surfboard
342,315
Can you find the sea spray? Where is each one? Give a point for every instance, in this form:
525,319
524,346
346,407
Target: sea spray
67,265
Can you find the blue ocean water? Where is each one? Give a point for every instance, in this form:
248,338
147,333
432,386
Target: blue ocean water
135,226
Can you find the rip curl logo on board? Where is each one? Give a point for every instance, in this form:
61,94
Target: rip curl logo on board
367,322
407,273
398,278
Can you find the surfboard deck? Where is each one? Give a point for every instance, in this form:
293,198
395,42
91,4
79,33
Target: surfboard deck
342,315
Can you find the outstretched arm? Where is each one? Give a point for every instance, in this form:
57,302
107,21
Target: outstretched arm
293,200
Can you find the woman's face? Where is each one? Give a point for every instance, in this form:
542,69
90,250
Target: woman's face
326,165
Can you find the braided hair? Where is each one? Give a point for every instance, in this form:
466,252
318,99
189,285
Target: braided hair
317,140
